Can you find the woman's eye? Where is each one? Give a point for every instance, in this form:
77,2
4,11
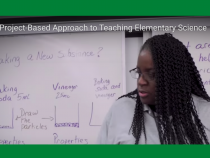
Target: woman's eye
138,72
152,74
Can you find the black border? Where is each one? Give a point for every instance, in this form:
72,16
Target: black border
46,19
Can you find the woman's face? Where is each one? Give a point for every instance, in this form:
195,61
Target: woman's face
146,83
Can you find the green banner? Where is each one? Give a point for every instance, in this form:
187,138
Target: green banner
104,151
105,8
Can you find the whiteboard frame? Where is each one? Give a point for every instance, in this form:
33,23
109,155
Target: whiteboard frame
123,63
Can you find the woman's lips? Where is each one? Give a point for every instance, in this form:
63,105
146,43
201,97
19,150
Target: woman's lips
143,94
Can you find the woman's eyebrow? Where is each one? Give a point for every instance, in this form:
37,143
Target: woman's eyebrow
149,69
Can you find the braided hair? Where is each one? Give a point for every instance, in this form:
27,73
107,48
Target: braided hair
177,78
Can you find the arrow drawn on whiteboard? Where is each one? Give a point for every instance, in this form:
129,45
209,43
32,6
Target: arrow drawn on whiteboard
51,118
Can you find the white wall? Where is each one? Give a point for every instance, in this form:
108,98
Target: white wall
146,35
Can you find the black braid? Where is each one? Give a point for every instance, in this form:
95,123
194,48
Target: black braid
177,78
138,119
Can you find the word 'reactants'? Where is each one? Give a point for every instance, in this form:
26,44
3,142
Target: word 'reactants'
64,87
8,60
75,140
13,141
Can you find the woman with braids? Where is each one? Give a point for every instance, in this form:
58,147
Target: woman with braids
170,104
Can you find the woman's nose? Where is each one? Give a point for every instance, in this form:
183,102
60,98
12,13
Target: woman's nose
141,80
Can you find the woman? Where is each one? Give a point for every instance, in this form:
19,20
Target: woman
170,104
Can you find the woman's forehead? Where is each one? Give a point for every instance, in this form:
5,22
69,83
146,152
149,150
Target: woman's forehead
145,61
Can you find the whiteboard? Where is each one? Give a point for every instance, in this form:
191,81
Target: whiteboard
198,44
57,88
